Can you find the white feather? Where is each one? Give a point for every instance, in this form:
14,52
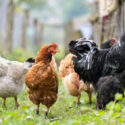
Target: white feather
12,78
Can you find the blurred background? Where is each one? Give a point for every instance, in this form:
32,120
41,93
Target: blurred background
26,25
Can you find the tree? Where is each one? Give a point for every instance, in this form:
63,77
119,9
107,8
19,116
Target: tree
27,6
24,28
32,4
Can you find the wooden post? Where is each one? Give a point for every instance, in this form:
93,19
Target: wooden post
25,25
41,28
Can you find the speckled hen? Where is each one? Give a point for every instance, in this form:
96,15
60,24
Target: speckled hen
42,80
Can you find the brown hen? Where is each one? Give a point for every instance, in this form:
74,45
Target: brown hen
71,81
41,79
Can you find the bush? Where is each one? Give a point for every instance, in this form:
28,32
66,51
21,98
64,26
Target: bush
18,55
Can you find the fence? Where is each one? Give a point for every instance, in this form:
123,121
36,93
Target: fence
108,21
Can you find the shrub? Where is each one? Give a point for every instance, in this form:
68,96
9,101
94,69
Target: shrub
18,55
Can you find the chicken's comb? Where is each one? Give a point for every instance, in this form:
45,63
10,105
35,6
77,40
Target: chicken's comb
53,44
114,39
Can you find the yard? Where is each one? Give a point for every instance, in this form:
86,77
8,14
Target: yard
27,25
63,112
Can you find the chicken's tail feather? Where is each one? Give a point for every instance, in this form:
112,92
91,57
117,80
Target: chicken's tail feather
122,39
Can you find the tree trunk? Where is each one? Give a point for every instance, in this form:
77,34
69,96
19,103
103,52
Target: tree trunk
25,25
102,32
10,21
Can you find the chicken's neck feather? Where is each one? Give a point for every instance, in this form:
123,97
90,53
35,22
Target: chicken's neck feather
44,57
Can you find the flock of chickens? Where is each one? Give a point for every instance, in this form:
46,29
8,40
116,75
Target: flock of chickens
85,68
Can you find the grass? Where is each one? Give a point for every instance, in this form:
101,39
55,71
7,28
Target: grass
17,54
63,112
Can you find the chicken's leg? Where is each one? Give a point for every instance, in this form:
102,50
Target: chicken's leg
16,102
37,110
4,102
90,97
78,99
46,113
97,107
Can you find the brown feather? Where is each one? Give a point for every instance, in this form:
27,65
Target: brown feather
70,78
41,80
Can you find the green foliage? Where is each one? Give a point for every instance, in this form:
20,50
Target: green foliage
63,112
18,55
21,55
118,97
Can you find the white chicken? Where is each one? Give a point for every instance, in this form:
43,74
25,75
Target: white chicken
12,75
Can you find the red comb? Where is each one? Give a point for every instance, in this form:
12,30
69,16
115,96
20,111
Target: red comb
114,39
54,44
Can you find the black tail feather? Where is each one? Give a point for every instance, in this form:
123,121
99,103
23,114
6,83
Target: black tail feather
31,60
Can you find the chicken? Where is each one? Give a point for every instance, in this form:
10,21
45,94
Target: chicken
108,86
42,80
92,63
12,74
70,79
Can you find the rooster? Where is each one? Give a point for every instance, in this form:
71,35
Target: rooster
71,81
42,80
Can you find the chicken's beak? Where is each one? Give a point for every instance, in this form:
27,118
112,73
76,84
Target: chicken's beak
57,50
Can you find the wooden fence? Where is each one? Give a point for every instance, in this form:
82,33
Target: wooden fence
108,26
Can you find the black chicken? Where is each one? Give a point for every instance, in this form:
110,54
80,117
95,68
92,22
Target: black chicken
108,86
91,63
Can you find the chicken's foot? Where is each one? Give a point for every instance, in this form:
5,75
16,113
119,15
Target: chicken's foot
90,97
46,113
16,102
78,99
4,102
97,107
37,110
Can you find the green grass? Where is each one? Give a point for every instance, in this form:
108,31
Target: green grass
63,112
17,54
